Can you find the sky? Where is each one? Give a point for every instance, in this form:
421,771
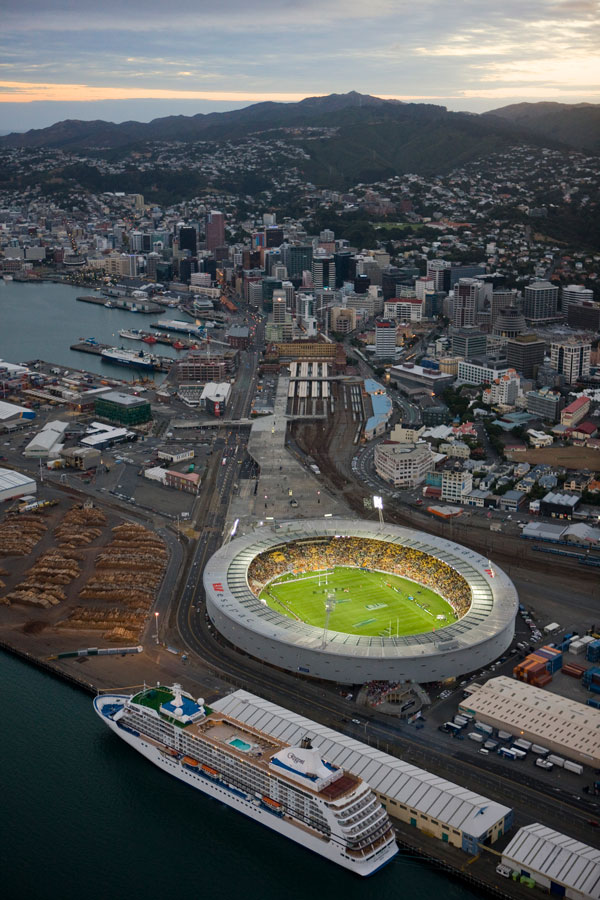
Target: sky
141,59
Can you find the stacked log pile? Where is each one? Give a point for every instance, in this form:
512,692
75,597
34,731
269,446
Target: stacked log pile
20,533
80,526
128,572
40,587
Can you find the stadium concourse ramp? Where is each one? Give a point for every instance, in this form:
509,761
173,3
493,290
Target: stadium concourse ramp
284,488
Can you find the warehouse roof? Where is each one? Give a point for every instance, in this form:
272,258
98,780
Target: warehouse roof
543,531
11,479
12,411
549,716
560,858
449,803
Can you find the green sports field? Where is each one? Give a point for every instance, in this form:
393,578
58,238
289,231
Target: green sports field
366,603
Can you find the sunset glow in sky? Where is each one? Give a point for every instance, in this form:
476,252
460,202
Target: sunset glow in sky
77,57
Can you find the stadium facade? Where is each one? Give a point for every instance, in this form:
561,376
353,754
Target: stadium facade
481,635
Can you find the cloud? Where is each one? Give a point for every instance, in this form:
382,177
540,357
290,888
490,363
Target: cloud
282,49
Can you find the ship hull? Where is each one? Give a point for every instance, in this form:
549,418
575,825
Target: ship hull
239,801
121,361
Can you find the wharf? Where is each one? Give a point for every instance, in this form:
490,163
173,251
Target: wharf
162,364
122,303
163,337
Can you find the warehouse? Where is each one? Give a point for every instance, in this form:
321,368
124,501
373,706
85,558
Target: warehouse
14,484
48,442
444,810
564,726
555,862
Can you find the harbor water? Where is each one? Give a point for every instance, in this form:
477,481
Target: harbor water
41,321
84,815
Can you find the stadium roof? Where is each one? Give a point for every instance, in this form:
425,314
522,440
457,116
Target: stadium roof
536,848
450,803
493,607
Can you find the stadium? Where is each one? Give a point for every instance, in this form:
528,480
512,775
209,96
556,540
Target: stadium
352,601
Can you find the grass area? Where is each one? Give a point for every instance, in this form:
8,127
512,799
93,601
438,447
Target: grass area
366,603
404,226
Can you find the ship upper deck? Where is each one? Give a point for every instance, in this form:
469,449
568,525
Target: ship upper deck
243,742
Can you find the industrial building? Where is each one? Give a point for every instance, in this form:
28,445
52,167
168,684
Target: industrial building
214,397
453,814
125,409
15,484
556,862
566,727
48,441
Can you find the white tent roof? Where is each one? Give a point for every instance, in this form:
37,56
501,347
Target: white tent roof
537,848
449,803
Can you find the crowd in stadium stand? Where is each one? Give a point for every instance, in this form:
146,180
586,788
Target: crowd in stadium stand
378,691
364,553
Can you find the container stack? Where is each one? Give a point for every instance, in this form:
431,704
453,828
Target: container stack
591,679
538,667
593,652
574,670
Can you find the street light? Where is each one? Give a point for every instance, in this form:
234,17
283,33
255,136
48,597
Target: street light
156,623
378,505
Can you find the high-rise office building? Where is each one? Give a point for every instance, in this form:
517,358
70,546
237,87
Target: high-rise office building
541,301
323,272
215,230
468,342
297,258
525,353
385,339
466,297
188,239
435,270
571,358
279,306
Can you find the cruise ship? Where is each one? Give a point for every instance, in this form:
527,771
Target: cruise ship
291,790
129,357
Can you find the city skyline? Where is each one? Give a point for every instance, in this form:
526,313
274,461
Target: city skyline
141,62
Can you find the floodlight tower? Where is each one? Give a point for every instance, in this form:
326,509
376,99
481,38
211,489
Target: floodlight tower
378,505
329,607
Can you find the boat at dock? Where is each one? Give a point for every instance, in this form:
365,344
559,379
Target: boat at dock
132,334
123,357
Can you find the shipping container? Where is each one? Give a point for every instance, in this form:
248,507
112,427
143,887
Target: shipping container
522,744
491,745
504,735
461,721
557,760
519,754
474,736
573,767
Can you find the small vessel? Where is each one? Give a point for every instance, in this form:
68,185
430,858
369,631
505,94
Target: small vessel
149,339
177,345
7,278
124,357
109,304
290,789
132,334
